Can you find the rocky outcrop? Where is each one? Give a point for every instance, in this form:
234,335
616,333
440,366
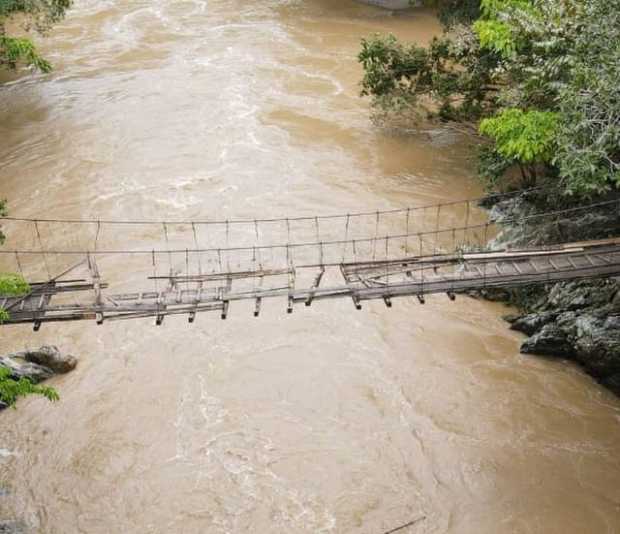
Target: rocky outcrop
12,527
49,357
523,224
576,320
37,364
22,369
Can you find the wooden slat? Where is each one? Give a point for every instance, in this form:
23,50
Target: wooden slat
385,280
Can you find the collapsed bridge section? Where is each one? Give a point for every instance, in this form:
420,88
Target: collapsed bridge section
79,293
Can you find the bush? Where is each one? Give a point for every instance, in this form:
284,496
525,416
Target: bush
12,285
33,14
11,390
540,79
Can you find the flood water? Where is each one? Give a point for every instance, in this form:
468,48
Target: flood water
327,420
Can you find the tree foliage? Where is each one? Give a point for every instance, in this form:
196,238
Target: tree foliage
11,390
454,12
11,285
588,141
30,15
539,78
424,79
525,136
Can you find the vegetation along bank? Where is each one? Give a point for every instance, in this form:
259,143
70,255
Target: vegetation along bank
537,84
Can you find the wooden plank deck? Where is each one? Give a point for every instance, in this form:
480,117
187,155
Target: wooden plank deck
88,299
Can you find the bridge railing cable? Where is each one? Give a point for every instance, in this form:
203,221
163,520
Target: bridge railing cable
244,221
480,239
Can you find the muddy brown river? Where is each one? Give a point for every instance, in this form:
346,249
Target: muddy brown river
325,421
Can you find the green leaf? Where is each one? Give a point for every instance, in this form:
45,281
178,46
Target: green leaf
526,136
11,390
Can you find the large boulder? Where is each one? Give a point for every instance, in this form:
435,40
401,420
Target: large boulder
582,294
12,527
597,343
49,356
20,368
38,364
532,322
549,341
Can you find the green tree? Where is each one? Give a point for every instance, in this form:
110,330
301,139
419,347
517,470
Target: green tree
453,12
539,80
588,140
29,15
12,285
525,138
11,390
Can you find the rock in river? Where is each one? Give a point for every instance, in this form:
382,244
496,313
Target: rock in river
38,364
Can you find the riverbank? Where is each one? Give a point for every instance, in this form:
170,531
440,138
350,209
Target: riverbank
579,320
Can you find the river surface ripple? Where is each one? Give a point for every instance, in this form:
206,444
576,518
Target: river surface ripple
329,420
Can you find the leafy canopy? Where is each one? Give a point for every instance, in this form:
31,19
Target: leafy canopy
11,285
539,79
11,390
526,136
37,15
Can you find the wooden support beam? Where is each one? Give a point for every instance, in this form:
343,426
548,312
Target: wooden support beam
291,289
362,281
225,301
159,318
259,300
315,285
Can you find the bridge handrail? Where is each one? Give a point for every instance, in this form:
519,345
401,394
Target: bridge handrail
92,221
284,246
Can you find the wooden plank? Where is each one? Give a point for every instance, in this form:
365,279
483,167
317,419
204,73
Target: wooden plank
212,277
364,283
291,294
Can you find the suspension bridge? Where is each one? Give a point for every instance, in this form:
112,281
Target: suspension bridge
194,266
